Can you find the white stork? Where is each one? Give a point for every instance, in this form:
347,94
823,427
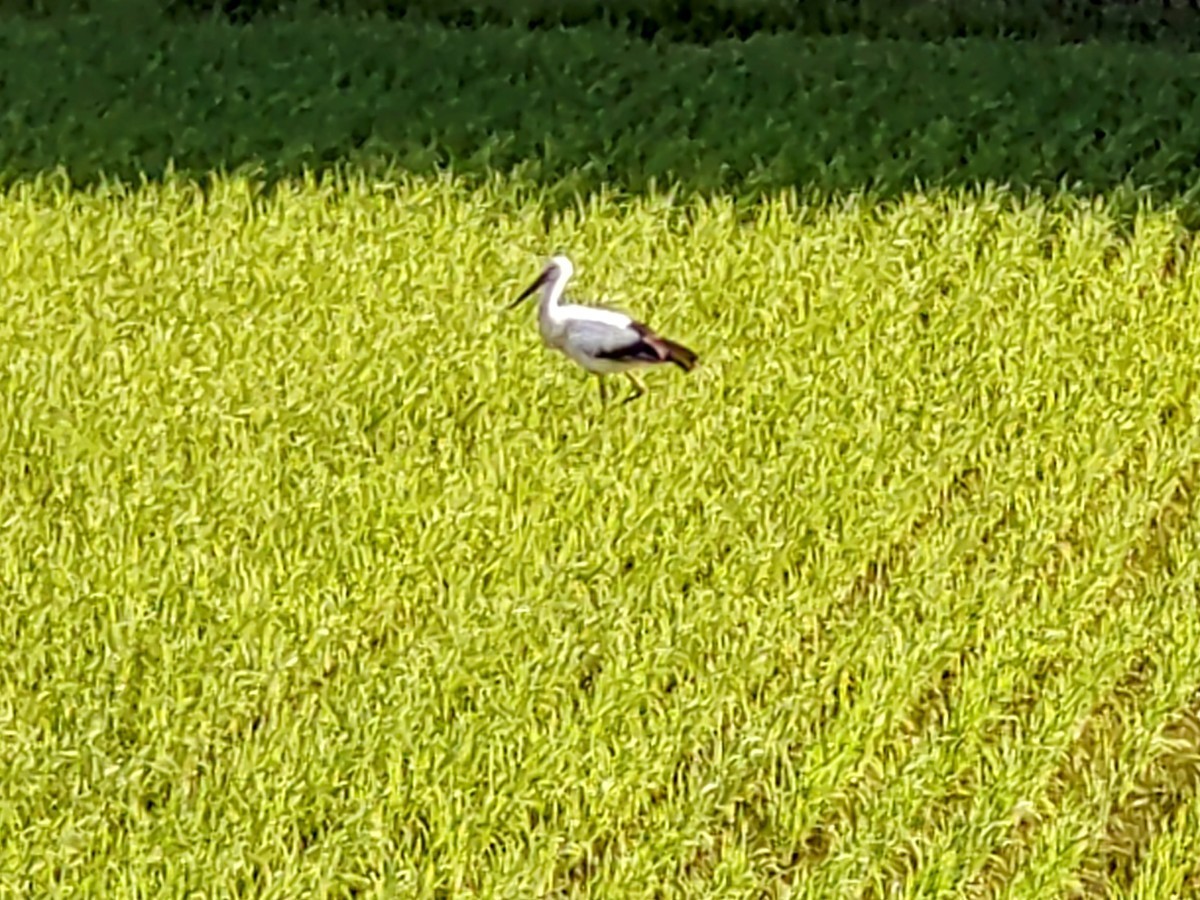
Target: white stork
602,341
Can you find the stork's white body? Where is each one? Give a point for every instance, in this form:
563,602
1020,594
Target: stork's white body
601,341
582,332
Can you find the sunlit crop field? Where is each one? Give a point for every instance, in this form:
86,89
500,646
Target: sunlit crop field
321,576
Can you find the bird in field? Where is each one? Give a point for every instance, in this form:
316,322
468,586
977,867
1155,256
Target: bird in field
602,341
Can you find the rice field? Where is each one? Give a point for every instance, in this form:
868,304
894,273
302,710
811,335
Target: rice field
322,577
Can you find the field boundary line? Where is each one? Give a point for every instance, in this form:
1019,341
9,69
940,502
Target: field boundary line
926,711
938,700
1099,733
1162,788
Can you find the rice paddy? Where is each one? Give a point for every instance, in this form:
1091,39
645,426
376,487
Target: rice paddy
322,576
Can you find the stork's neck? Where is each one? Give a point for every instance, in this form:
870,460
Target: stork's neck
550,306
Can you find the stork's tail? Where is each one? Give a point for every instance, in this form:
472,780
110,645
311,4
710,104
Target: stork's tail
680,355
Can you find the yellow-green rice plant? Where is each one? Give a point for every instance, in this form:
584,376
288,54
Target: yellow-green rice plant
322,575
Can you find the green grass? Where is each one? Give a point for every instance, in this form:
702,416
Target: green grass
321,574
1171,22
584,110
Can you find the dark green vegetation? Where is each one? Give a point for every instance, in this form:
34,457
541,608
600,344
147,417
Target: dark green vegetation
321,578
704,21
594,107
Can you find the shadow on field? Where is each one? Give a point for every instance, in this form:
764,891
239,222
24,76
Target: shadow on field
585,108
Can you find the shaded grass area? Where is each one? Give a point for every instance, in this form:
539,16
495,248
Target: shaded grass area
320,572
704,21
593,109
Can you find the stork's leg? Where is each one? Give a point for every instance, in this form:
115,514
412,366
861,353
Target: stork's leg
603,393
639,387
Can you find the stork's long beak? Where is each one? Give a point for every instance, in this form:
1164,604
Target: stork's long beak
541,279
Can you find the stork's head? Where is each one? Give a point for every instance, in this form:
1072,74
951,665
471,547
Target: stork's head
563,265
558,270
